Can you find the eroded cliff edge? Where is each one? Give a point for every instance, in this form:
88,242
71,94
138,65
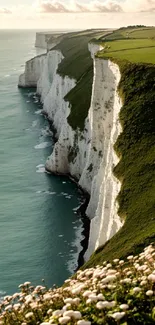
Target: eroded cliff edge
86,152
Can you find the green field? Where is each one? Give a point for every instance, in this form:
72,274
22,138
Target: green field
133,50
132,32
143,33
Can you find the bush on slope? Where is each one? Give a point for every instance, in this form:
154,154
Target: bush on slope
109,294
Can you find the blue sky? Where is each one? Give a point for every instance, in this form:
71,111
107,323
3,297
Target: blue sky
75,13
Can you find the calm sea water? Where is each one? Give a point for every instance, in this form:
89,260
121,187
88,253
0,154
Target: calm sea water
39,228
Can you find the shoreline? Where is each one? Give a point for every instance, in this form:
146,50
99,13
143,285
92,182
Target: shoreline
81,211
84,218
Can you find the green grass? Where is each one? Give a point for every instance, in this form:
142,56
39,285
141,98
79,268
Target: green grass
80,99
146,55
78,64
132,32
136,169
121,45
143,33
140,50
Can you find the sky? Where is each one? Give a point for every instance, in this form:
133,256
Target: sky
75,14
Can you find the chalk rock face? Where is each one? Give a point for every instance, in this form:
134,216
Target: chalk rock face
87,155
42,40
33,71
105,128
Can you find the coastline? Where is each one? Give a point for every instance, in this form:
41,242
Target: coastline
81,211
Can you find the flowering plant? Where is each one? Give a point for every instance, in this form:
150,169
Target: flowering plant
111,293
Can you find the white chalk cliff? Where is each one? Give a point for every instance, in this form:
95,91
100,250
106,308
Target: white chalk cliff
88,155
42,39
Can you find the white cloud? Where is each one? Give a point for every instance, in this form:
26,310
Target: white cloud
101,6
77,7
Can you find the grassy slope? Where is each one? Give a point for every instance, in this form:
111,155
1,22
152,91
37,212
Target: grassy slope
136,169
132,32
136,50
78,64
145,33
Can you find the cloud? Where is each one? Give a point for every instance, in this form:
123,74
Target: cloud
5,11
139,6
57,7
96,6
76,7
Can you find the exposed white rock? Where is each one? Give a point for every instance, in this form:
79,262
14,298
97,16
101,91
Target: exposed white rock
47,77
42,39
105,126
33,71
89,155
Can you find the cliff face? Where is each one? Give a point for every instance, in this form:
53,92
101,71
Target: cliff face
87,155
42,40
33,71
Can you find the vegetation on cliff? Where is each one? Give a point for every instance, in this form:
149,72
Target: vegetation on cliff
110,294
136,148
78,64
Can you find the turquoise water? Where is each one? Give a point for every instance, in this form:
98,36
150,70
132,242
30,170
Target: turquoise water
39,228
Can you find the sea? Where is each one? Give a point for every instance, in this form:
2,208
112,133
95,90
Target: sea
40,230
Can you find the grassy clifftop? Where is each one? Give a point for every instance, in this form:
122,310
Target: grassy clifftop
136,148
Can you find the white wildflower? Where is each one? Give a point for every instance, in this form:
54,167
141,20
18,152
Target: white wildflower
124,307
69,313
116,260
29,315
103,304
100,296
88,301
83,322
76,301
8,307
68,300
47,296
136,290
27,283
93,297
64,320
57,313
77,315
87,293
118,315
112,304
130,258
149,293
143,283
49,312
151,277
16,306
